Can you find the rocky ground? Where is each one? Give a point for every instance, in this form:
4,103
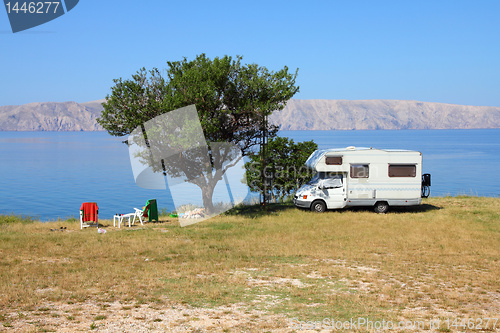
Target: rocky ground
119,317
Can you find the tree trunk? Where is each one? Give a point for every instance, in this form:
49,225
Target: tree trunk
207,193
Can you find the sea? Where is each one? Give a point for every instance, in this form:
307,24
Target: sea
48,175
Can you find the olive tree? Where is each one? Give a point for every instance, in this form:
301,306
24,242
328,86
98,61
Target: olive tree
233,101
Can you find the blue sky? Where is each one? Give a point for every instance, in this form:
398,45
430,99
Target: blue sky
435,51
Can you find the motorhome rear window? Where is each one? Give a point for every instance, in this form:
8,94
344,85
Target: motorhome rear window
402,170
360,171
333,160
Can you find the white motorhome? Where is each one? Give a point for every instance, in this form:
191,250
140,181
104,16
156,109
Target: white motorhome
363,177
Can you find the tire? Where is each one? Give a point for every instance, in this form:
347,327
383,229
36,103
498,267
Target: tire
381,207
318,206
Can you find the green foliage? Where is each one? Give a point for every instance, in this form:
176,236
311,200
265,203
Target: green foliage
163,211
8,219
285,170
232,99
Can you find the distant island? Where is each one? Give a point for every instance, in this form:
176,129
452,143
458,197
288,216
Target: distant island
316,114
51,116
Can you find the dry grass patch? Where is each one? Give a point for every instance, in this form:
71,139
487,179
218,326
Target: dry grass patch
439,260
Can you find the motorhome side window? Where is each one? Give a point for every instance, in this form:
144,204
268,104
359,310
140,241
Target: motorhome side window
333,160
402,170
360,171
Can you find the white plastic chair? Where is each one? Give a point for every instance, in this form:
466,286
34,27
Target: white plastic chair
138,214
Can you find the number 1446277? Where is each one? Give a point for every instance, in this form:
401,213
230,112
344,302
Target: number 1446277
25,7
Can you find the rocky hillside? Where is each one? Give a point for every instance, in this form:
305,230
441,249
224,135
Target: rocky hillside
383,114
51,116
298,115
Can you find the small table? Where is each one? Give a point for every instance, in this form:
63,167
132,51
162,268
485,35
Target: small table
120,218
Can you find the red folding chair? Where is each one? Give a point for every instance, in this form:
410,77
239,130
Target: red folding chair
89,213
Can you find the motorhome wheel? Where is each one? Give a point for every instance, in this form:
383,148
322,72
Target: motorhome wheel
318,206
381,207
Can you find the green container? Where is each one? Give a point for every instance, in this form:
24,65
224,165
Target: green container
152,211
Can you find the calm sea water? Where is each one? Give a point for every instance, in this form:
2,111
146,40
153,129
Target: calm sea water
49,174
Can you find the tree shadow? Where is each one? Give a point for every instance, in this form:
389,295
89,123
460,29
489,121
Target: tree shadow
258,210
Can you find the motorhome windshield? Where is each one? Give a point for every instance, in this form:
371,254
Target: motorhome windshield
324,175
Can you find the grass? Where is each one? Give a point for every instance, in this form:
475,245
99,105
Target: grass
10,219
438,260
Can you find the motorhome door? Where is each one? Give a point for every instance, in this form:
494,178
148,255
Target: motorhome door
333,186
